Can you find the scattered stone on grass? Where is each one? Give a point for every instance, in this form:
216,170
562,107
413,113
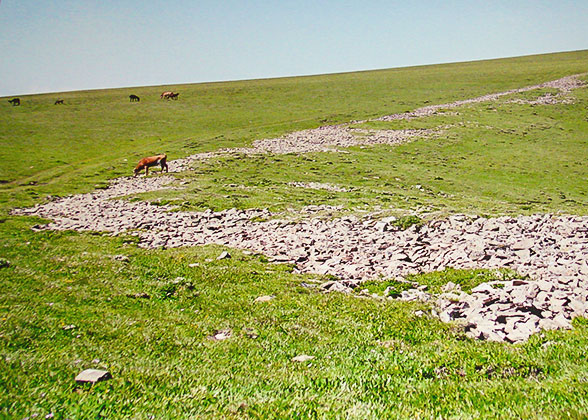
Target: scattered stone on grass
221,335
92,376
223,256
265,298
302,358
139,295
319,186
336,286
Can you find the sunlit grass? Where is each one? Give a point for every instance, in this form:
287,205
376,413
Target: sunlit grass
69,301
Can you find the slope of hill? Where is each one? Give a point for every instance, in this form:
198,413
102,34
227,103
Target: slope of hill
196,332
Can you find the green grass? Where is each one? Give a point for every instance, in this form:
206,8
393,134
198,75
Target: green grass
62,149
490,159
148,320
466,279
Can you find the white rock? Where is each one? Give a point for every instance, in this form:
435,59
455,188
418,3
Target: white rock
224,255
302,358
92,376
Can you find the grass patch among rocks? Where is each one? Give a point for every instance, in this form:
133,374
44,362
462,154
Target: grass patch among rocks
466,279
435,281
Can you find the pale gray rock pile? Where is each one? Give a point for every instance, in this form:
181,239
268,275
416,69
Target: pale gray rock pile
324,138
99,211
551,250
184,164
565,84
547,99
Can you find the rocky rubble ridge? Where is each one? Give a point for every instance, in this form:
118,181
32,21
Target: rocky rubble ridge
320,139
551,250
547,99
319,186
323,139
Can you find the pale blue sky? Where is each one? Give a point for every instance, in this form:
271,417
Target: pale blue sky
58,45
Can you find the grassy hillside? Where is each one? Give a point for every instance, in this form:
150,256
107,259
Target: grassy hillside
88,139
490,158
69,301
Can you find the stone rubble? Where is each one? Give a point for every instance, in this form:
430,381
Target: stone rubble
321,139
221,335
547,99
265,298
550,250
302,358
324,139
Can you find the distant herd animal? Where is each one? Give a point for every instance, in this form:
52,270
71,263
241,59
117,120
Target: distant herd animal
169,95
133,98
151,161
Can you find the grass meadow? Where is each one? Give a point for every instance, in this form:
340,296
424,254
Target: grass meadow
67,302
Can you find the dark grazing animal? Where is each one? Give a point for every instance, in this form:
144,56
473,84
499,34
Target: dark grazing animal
148,162
59,102
15,101
134,98
174,96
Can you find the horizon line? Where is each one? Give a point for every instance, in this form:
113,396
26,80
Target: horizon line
292,76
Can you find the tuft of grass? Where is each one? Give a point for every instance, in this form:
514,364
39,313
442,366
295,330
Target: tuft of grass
387,288
466,279
406,222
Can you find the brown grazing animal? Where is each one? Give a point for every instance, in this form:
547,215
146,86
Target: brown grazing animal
134,98
148,162
166,95
15,101
174,96
59,102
